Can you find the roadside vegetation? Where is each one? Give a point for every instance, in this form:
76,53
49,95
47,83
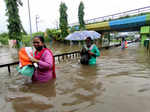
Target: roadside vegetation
17,32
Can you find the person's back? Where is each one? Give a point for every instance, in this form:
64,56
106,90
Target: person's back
84,56
126,44
123,43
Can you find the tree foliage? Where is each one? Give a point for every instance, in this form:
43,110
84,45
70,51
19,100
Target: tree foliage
4,38
53,34
14,22
63,22
81,16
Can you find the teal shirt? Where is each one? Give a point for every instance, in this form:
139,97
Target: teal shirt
94,50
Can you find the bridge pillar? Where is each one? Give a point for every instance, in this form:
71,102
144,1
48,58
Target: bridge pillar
145,36
144,33
106,39
100,40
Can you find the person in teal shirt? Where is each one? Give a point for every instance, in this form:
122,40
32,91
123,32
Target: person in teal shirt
91,50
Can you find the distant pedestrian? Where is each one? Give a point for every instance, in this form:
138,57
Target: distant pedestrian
123,43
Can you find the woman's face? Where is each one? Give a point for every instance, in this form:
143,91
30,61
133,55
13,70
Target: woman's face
37,44
88,42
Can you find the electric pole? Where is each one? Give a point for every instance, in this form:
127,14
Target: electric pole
36,20
29,19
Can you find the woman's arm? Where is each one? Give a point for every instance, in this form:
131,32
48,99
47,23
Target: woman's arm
46,61
94,52
97,51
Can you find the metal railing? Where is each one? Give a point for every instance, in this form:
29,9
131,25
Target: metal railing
61,57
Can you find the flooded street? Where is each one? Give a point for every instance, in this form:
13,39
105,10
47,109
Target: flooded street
119,82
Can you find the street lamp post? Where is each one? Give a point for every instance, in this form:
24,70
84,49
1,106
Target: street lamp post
36,20
30,20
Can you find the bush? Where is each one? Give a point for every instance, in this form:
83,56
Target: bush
38,34
53,34
26,40
4,38
41,34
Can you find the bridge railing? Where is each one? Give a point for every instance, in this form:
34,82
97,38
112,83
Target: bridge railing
117,15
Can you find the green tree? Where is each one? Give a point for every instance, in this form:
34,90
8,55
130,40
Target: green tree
4,38
14,22
63,22
81,16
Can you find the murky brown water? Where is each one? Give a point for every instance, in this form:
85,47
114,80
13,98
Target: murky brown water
120,82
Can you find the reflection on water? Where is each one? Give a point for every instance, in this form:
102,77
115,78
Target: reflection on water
119,82
35,97
8,55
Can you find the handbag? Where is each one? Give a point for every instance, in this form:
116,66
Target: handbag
84,59
84,56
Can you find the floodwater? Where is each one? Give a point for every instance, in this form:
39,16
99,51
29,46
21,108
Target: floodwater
119,82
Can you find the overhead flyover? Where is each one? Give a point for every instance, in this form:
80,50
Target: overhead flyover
130,20
125,24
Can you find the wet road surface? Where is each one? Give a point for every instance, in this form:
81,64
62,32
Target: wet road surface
119,82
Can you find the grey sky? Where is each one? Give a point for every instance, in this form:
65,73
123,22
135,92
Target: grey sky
48,11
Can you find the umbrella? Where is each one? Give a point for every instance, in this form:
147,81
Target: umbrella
82,35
